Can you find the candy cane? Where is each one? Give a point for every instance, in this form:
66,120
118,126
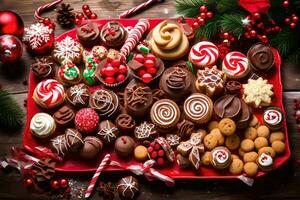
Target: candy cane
138,8
43,8
135,35
103,164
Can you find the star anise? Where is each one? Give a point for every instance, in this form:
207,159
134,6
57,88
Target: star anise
106,190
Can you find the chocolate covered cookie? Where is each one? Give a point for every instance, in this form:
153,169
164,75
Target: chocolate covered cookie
78,95
113,34
91,147
88,34
64,116
43,67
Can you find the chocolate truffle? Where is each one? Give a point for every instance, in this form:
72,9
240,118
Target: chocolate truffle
137,98
233,87
74,139
108,132
43,67
273,118
125,123
128,187
105,102
88,34
78,95
220,158
261,57
228,106
113,34
124,146
91,147
185,128
64,116
183,162
60,145
145,132
177,83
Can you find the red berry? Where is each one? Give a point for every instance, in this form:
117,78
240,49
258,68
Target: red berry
152,70
85,7
28,182
116,63
209,15
109,60
102,71
146,78
139,57
47,21
157,146
107,65
110,71
287,20
196,25
292,25
161,153
277,28
93,16
77,21
256,16
141,72
152,144
264,39
122,69
160,161
63,183
149,63
54,184
80,15
253,33
154,154
150,149
203,15
295,19
110,80
201,21
87,12
225,35
150,56
285,4
120,78
203,9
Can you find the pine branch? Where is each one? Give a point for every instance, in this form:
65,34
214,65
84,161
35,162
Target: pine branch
190,8
232,23
11,114
286,41
209,30
227,6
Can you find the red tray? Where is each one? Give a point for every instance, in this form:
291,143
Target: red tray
174,171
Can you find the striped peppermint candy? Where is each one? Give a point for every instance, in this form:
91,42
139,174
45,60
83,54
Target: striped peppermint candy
135,35
49,93
235,65
204,54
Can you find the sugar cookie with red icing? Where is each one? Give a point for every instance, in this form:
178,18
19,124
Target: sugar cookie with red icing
204,54
235,65
49,93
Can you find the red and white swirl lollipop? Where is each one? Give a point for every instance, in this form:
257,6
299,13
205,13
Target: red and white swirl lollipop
49,93
204,54
235,65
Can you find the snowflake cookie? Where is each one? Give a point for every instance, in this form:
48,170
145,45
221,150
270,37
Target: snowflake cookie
258,92
67,50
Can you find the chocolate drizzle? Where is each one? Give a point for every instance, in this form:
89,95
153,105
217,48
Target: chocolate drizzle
176,79
125,122
88,34
105,102
138,96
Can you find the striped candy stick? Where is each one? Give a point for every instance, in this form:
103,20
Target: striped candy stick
45,7
135,35
138,8
103,164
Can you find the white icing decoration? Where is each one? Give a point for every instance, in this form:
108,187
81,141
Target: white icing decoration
42,124
129,185
106,98
197,106
108,132
77,91
221,156
144,130
273,117
67,49
235,64
37,35
165,112
58,143
265,160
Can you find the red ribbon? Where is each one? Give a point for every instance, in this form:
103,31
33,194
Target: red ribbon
255,6
147,170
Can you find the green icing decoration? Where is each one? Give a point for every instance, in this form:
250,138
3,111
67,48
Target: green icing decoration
71,72
191,67
88,74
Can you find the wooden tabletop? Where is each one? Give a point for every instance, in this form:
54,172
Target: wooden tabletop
283,183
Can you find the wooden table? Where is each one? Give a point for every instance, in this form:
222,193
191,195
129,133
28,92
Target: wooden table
283,183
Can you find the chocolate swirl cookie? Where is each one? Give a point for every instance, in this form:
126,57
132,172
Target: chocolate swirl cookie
220,158
177,83
64,116
233,87
165,113
105,102
88,34
137,98
261,57
113,34
125,123
228,106
43,67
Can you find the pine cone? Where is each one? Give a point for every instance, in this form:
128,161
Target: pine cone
65,15
43,170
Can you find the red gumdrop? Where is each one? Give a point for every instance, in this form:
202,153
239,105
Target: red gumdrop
110,71
116,63
146,78
120,78
110,80
150,56
152,70
149,63
139,57
122,69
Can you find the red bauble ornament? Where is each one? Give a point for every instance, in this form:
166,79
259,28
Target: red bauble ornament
39,38
11,48
63,183
85,7
11,23
292,25
285,4
256,16
200,21
77,21
203,9
295,19
87,12
93,16
146,78
54,184
28,182
287,20
209,15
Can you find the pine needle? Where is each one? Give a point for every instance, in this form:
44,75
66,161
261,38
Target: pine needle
188,8
286,41
227,6
232,23
11,115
